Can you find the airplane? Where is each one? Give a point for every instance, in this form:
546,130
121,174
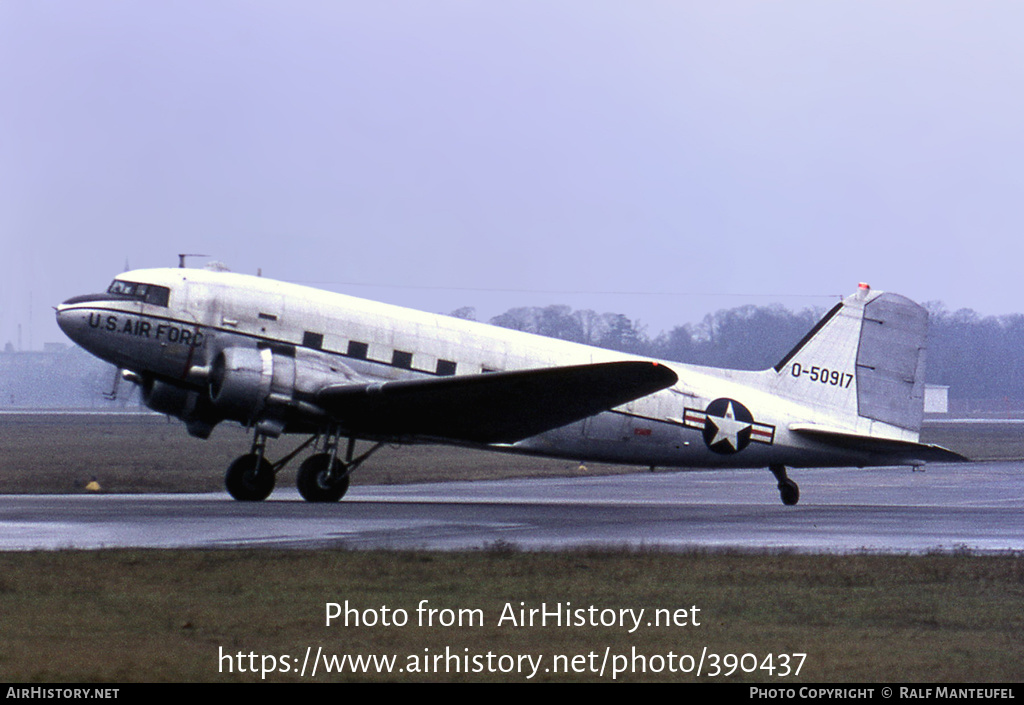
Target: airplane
207,345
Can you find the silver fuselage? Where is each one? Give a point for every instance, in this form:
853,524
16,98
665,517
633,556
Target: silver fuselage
334,338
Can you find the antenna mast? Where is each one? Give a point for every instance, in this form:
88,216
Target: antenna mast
181,259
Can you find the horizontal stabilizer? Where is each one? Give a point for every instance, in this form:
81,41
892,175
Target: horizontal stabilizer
496,407
904,450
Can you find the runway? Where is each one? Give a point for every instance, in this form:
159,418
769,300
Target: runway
972,506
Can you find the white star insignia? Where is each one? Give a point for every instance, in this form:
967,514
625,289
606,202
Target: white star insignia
727,428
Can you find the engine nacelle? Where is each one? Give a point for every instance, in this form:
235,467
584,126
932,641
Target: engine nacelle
270,388
240,382
189,405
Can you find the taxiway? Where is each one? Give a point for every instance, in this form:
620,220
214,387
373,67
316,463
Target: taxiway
971,506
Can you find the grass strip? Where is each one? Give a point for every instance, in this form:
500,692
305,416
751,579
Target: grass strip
151,615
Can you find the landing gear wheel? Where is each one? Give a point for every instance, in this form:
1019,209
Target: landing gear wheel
318,481
250,478
788,489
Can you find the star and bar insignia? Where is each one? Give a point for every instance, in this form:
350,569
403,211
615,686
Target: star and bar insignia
728,426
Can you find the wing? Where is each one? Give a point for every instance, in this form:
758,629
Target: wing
904,450
497,407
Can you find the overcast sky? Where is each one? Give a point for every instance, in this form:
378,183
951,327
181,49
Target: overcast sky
658,159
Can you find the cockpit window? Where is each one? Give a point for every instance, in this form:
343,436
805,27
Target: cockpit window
149,293
124,288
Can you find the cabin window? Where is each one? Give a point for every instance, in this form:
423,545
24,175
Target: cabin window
402,359
158,295
313,340
358,350
446,367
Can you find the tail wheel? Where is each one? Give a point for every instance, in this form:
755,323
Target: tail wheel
320,481
790,492
250,478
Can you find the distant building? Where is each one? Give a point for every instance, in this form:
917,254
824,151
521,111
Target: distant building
60,377
936,399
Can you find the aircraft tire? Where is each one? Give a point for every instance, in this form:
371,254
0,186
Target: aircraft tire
250,478
313,479
790,492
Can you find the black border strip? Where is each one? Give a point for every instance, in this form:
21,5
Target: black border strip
810,334
261,340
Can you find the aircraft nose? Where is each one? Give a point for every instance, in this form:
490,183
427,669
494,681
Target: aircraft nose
63,319
71,320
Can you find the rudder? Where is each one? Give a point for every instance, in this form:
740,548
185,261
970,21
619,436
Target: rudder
890,361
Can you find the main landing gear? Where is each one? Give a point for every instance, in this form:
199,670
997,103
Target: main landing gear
788,489
322,477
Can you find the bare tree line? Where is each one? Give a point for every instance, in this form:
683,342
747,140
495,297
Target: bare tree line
978,357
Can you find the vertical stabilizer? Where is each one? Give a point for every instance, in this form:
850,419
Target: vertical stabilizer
863,360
